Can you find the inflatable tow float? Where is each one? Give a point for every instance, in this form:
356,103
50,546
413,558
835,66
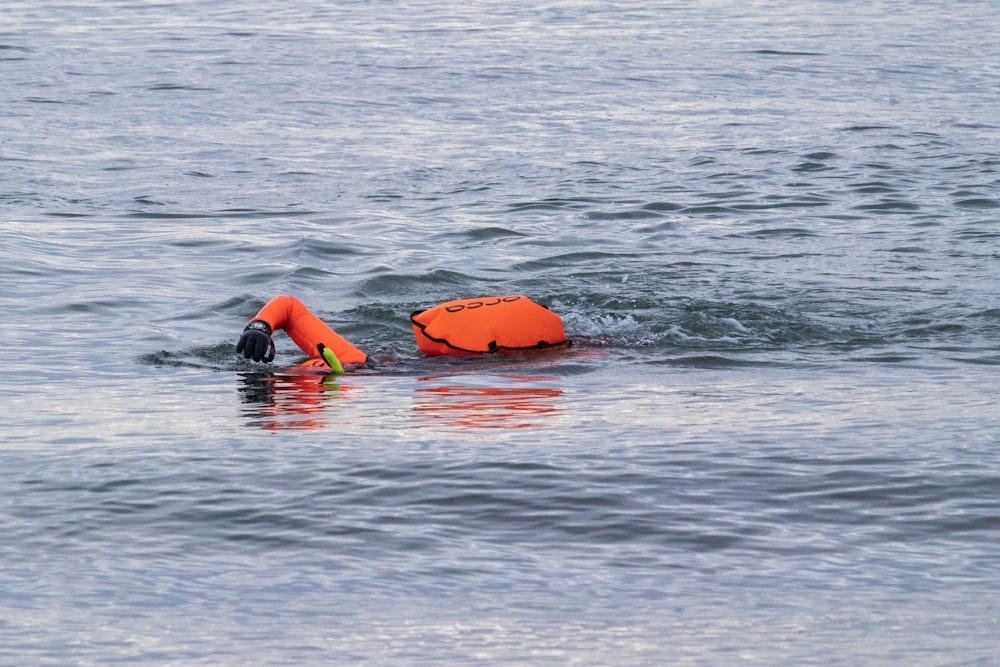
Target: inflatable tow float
487,325
464,327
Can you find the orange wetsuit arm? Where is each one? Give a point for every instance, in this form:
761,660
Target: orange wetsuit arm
307,330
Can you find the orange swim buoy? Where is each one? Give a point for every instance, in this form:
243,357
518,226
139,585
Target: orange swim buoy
487,324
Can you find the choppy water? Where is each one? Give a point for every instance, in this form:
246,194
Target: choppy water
772,231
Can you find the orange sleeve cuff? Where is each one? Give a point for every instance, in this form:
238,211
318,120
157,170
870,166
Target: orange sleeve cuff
307,330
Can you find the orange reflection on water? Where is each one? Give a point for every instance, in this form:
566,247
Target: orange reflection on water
295,399
279,402
487,407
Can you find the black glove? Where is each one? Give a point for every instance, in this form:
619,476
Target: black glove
256,343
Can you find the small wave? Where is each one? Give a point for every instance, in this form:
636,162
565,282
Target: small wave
570,259
867,128
232,213
34,99
811,167
985,360
662,206
709,209
889,207
177,86
776,52
9,53
393,284
553,204
221,356
630,214
483,234
781,232
978,202
712,362
884,358
873,187
780,205
989,313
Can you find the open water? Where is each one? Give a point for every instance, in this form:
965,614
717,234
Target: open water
772,230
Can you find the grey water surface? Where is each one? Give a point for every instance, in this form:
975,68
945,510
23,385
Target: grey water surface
772,231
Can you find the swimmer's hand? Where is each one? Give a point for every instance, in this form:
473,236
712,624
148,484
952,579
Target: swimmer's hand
256,343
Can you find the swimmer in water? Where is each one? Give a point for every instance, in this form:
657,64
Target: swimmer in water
464,327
